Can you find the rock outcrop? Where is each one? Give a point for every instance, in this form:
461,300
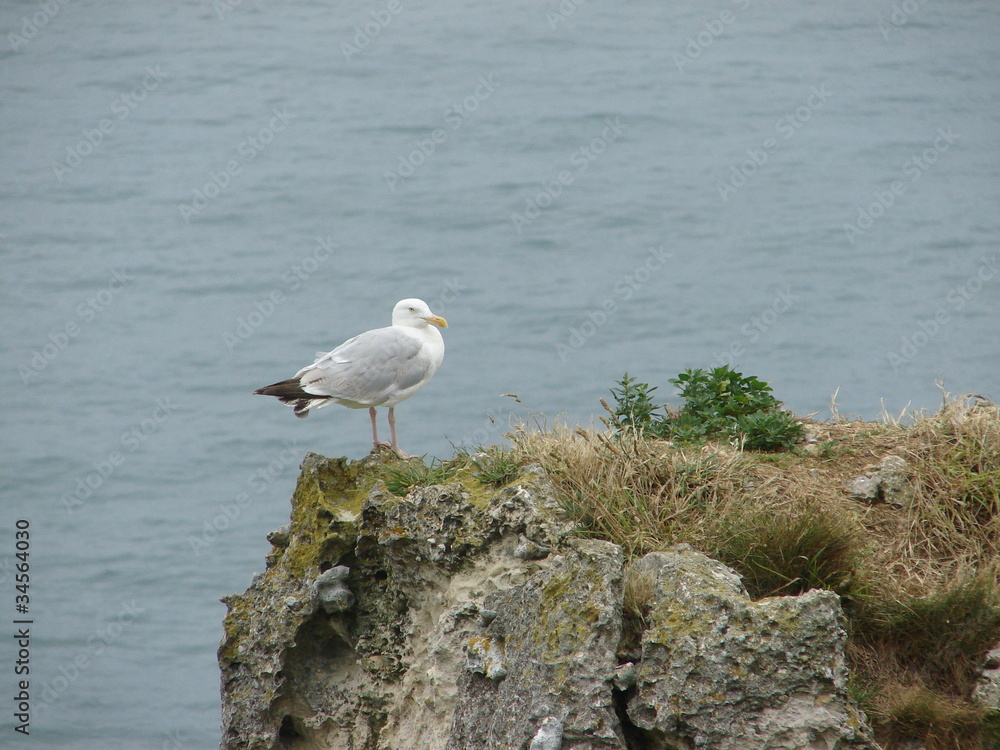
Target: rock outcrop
462,617
721,671
886,482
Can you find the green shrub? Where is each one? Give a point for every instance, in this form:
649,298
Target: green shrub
719,404
634,407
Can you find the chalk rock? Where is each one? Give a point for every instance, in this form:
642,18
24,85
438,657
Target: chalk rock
559,631
888,483
549,735
387,672
864,487
987,692
721,672
332,591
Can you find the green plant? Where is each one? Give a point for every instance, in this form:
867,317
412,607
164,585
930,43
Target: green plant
863,692
495,467
769,430
943,635
634,405
404,476
778,552
718,404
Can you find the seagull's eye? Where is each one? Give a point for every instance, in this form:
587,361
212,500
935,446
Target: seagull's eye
413,309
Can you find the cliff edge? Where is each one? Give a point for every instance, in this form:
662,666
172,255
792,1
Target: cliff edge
464,615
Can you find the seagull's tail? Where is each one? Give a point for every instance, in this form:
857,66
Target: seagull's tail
290,392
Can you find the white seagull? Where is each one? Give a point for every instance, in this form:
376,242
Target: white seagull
376,368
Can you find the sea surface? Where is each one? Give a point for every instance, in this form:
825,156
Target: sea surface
195,197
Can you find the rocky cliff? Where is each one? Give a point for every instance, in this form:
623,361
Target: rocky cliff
465,616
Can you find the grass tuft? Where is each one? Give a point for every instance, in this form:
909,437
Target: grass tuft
495,466
639,594
938,721
941,637
403,476
788,551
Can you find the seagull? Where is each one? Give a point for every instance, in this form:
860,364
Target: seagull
380,367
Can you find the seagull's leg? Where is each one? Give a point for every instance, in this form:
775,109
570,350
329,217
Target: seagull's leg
392,433
375,440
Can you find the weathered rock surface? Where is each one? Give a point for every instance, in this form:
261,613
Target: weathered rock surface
721,671
558,632
987,692
468,618
887,482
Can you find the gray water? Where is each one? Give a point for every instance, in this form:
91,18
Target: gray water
196,198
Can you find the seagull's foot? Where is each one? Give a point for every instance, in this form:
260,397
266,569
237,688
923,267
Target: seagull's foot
396,449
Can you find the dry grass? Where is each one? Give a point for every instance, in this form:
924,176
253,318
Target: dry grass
640,590
919,582
954,521
937,720
783,523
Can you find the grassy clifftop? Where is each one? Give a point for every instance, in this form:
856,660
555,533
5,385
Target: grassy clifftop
901,518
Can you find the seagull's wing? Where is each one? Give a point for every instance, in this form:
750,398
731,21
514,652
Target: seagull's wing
369,368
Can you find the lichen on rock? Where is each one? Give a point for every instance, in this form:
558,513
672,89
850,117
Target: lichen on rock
382,673
721,671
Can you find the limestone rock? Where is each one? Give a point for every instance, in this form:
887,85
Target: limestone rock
385,673
864,487
462,617
549,735
987,692
486,656
559,631
332,591
888,482
720,672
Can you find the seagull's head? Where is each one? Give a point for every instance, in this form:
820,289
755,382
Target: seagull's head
416,314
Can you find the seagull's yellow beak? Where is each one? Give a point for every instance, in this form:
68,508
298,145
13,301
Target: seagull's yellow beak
437,320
